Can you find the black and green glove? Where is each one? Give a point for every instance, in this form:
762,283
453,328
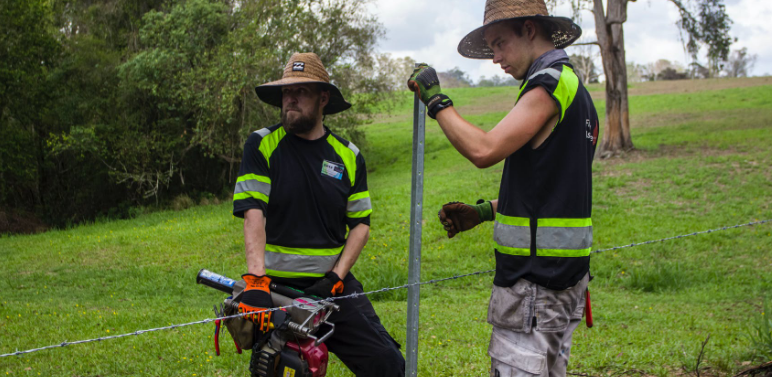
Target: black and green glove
425,82
457,217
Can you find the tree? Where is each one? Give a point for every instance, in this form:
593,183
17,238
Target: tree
109,104
454,78
29,52
740,63
583,59
710,27
637,72
585,68
664,69
671,74
497,80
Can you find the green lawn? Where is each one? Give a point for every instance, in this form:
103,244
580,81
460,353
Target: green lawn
702,161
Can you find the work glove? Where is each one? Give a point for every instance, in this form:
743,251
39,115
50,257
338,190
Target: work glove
458,217
426,84
255,299
328,286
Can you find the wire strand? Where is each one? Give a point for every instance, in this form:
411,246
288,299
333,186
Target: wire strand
434,281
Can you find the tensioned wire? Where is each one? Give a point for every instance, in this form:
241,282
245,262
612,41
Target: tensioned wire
435,281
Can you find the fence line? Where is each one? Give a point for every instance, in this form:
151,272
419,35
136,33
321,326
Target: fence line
434,281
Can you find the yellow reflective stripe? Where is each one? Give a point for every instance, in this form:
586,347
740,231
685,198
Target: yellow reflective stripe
250,195
564,223
247,177
359,195
566,90
302,250
564,253
514,221
347,155
513,251
520,93
270,142
358,215
287,274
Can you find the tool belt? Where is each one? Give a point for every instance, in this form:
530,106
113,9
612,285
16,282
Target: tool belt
242,330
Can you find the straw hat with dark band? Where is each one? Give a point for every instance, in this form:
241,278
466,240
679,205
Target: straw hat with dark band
564,31
303,68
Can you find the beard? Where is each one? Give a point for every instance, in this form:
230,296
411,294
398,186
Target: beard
301,123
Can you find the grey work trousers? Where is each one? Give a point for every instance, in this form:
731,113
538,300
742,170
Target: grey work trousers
532,328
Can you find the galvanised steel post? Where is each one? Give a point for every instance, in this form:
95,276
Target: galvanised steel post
416,207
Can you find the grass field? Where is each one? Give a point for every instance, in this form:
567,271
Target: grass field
702,161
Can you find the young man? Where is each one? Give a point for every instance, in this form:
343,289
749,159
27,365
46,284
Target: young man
300,187
542,229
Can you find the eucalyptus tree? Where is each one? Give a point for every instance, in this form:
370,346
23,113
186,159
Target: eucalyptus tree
704,23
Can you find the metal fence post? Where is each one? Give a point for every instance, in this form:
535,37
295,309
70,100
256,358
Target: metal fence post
416,216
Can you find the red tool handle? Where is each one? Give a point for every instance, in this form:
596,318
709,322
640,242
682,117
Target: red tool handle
217,336
588,309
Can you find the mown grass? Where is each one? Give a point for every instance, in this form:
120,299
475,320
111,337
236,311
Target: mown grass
703,161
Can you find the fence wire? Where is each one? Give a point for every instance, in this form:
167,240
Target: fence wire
434,281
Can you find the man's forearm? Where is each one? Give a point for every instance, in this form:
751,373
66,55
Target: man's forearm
254,241
465,137
357,239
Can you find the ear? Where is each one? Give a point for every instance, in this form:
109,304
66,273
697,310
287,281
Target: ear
325,98
530,29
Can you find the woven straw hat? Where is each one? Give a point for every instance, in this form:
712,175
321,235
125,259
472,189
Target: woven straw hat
303,68
564,31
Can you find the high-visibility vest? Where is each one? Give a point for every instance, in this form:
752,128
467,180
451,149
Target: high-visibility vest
543,226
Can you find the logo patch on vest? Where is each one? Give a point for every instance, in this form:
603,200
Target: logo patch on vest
298,66
333,169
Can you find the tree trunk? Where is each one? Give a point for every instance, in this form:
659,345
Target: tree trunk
608,27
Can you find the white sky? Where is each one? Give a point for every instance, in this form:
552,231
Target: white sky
429,31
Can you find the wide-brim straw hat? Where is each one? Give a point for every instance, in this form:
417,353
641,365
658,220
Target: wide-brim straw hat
303,68
564,30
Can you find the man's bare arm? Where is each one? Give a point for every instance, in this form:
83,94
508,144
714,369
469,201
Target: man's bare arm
533,112
357,239
254,241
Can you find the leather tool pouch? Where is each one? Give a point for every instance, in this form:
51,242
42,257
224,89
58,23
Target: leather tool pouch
242,330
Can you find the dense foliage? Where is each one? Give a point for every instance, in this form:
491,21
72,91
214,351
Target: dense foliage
108,105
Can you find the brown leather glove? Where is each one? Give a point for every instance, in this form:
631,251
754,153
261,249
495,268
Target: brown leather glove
458,217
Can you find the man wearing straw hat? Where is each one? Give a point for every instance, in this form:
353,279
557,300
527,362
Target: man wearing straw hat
300,188
542,229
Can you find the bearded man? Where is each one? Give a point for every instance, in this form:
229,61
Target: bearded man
300,189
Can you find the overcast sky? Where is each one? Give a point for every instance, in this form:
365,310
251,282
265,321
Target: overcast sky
429,31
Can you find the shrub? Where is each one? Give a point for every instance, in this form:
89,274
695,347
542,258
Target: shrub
182,202
760,333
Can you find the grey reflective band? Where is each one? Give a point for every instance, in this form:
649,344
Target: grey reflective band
253,185
547,71
518,237
263,132
353,148
359,205
299,264
564,238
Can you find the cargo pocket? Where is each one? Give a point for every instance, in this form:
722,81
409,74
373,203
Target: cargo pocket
510,308
555,309
513,360
552,317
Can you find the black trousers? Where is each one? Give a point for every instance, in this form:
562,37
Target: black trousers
360,341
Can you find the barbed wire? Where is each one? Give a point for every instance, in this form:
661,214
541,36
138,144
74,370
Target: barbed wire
683,236
382,290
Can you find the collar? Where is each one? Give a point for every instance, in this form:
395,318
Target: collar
548,59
